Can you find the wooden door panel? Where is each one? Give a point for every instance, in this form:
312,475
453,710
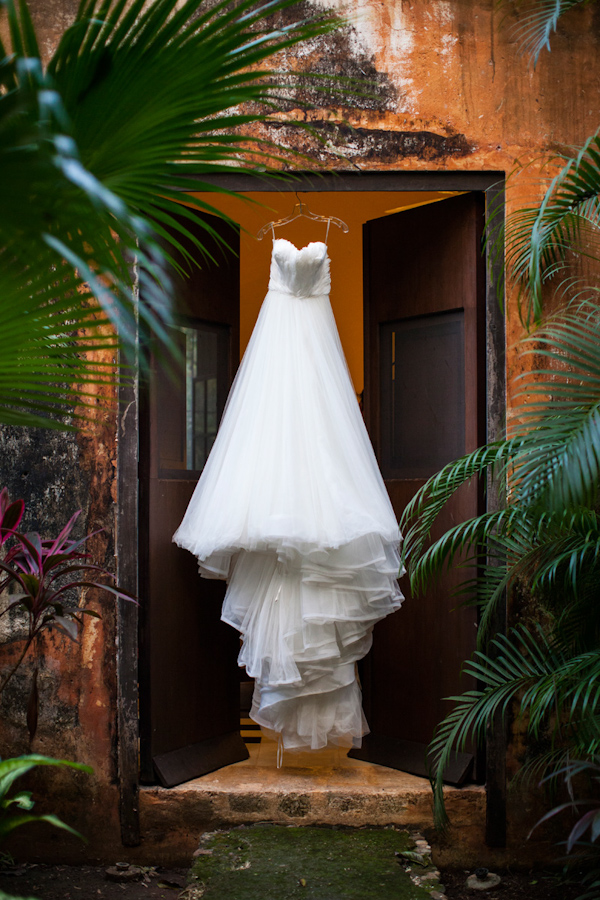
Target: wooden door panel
420,262
422,391
186,627
190,684
419,650
424,406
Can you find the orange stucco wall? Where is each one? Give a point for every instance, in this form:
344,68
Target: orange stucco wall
453,93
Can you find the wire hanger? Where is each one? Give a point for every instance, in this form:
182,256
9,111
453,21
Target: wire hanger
301,209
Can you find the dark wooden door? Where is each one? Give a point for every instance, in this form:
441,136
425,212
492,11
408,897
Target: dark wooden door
189,678
424,406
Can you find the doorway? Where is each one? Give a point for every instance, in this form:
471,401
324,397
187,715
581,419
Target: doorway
409,274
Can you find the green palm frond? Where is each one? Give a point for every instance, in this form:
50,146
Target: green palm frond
553,552
48,351
422,511
65,242
552,465
139,101
540,20
566,550
558,695
195,79
50,200
544,547
549,552
558,464
541,238
576,616
473,535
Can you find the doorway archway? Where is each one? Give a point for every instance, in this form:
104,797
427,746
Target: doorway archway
386,186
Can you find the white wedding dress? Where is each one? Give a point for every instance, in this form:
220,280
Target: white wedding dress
291,509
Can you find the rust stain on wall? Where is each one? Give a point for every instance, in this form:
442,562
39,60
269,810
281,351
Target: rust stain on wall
386,146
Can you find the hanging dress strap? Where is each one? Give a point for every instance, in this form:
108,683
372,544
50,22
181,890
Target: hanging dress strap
327,232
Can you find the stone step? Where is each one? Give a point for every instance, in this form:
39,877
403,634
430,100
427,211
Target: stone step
323,788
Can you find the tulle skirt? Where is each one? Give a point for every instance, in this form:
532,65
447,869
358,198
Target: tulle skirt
291,509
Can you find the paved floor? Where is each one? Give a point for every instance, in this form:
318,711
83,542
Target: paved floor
268,862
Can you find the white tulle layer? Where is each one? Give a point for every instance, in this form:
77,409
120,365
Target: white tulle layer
305,621
291,509
292,461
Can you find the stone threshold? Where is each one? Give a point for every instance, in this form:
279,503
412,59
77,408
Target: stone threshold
319,788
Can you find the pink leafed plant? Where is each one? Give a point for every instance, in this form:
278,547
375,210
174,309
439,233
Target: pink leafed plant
42,578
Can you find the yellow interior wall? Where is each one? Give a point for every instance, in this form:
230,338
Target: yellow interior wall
345,251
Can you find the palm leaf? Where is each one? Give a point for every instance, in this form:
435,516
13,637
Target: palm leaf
139,101
552,464
540,238
422,511
552,687
66,251
558,464
547,540
16,821
16,766
192,76
535,28
551,553
49,200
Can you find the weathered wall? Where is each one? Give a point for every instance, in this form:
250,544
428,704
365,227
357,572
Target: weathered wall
453,93
58,473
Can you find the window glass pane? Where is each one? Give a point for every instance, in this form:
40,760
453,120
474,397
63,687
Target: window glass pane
190,407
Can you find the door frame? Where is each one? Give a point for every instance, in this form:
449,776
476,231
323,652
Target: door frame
491,183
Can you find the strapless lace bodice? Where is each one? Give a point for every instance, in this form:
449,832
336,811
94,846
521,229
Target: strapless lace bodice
302,273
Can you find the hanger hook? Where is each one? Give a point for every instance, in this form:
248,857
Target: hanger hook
298,199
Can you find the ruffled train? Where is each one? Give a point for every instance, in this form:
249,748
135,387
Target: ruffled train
305,621
306,616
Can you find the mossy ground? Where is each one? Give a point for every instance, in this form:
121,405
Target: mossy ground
271,862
